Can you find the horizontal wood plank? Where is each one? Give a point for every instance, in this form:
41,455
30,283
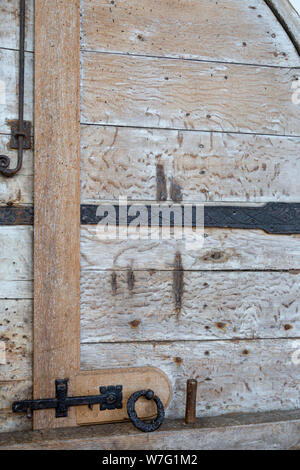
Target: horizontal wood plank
16,253
264,431
231,31
146,92
233,376
212,305
207,167
9,73
16,289
16,334
9,26
223,249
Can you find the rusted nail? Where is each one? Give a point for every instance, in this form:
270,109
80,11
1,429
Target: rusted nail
191,399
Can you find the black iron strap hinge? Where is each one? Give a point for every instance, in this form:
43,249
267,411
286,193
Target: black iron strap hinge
110,398
20,129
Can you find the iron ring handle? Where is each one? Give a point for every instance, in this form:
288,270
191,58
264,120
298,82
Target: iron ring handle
137,422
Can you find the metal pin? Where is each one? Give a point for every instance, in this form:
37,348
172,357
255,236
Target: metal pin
29,413
191,396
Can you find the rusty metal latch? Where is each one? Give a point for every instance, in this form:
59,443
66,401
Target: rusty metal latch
110,398
137,422
20,129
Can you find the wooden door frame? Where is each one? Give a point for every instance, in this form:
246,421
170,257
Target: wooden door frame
57,228
56,200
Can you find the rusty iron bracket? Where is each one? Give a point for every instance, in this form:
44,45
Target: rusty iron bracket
21,130
14,139
110,398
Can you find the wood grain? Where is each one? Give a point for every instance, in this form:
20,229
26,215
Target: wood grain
233,376
57,201
9,73
223,249
146,92
18,190
207,167
16,333
133,379
288,17
265,431
14,390
234,31
16,254
214,305
9,27
10,422
16,289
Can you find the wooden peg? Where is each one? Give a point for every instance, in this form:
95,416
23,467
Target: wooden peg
191,398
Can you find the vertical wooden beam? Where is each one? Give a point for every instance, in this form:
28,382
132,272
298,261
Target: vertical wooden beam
57,201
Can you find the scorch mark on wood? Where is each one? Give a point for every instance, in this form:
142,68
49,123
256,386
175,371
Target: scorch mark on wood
178,283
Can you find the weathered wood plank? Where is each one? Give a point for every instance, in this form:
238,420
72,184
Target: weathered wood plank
247,34
10,422
9,26
207,167
16,253
9,73
264,431
57,230
16,333
16,289
17,190
261,431
212,305
288,17
11,391
223,249
180,94
233,376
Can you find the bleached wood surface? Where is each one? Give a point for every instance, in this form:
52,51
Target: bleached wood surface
180,94
233,376
214,305
16,253
9,74
223,249
207,166
16,333
234,31
17,190
9,27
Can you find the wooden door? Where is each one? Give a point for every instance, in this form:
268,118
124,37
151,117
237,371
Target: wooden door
181,102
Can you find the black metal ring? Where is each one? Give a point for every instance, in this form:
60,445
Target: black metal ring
138,423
